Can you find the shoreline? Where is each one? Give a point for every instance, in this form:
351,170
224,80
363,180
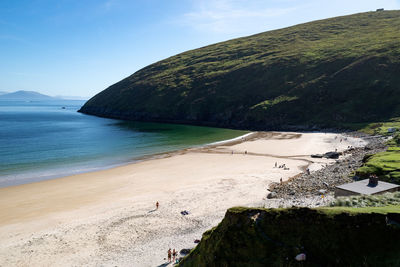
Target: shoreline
62,172
108,217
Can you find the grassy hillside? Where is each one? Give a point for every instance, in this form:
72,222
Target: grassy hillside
328,237
327,72
385,164
342,72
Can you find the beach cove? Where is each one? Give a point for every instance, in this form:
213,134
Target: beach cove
109,218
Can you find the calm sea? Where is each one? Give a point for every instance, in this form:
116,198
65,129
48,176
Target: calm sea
44,140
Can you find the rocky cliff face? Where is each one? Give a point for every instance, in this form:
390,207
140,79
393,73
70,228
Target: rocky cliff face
262,237
324,73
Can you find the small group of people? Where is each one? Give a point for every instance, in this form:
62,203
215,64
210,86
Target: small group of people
172,255
280,166
283,166
184,212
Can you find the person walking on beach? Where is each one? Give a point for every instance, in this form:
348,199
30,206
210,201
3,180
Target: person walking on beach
169,255
157,204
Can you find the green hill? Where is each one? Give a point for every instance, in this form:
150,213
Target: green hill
326,73
327,236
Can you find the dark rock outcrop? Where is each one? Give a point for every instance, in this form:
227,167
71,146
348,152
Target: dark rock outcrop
274,237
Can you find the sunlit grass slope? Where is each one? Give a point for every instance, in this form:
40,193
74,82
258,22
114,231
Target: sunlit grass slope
326,73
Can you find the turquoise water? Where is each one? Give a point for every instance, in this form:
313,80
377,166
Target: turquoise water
43,140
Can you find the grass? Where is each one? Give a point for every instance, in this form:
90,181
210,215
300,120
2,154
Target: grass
377,128
337,236
329,73
362,210
366,201
385,164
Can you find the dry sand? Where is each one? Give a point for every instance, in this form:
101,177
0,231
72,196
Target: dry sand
108,218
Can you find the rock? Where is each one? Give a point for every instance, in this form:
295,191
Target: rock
184,251
328,177
300,257
322,191
331,155
271,195
317,156
366,157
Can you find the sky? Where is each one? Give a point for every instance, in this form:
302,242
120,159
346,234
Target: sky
79,48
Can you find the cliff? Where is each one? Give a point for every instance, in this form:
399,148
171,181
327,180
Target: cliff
327,236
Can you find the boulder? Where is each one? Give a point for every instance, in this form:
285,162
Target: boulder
331,155
271,195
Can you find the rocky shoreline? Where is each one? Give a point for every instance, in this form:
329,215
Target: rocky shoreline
317,188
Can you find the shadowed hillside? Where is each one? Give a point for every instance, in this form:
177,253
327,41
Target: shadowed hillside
328,237
328,72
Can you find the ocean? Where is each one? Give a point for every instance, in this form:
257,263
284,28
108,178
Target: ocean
46,140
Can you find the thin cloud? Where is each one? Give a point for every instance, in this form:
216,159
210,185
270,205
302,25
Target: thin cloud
242,17
227,16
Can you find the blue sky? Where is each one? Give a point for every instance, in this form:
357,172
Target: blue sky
80,47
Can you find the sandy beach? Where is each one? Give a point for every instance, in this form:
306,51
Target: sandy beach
108,217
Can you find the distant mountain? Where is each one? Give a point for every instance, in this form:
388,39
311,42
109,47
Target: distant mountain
327,72
26,96
3,92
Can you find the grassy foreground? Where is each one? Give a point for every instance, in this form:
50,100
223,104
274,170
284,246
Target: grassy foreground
328,236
